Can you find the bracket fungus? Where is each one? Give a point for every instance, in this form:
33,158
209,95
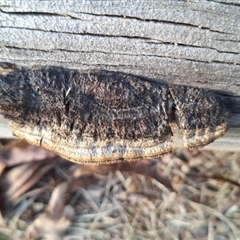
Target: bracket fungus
99,117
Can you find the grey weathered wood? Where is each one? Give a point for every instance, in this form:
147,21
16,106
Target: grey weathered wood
5,129
190,43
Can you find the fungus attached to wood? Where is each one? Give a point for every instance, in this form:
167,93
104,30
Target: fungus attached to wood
99,117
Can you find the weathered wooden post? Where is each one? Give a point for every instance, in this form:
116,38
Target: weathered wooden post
183,43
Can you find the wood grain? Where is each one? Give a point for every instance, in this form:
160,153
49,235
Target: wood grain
188,43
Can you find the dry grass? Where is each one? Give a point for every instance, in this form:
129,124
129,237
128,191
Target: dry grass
121,205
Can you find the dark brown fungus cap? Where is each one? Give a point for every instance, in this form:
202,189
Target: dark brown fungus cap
100,117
